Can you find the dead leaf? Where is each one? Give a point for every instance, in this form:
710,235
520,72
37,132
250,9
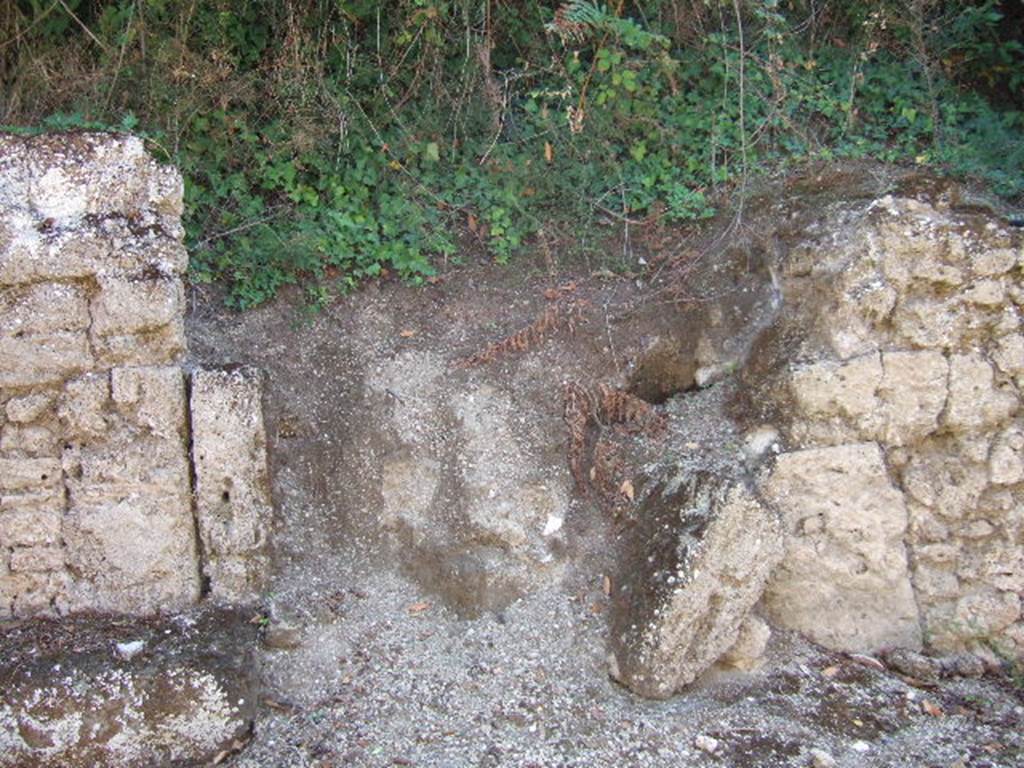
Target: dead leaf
408,333
627,489
472,223
549,152
992,747
929,707
830,671
607,585
418,608
551,294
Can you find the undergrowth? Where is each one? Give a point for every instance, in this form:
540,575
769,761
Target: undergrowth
324,142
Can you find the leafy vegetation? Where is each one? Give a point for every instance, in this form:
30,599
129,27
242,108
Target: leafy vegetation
328,141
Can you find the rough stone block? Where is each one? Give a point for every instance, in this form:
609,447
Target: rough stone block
844,580
29,474
974,400
25,409
44,358
43,308
233,502
82,406
37,558
29,440
29,528
153,398
698,561
131,553
64,177
913,393
127,306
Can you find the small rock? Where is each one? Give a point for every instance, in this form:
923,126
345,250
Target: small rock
860,746
822,759
962,665
913,664
705,743
282,638
130,650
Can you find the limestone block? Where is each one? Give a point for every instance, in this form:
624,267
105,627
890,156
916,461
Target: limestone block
985,293
37,558
232,491
844,391
698,561
126,306
974,400
985,613
930,322
152,397
129,464
43,308
85,251
29,440
1006,461
31,593
1008,354
29,528
994,262
163,345
942,478
43,358
913,393
45,499
25,409
844,580
998,564
82,407
64,177
131,553
29,474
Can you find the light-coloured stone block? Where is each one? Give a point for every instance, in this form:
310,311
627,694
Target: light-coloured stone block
43,358
29,474
844,581
29,528
232,485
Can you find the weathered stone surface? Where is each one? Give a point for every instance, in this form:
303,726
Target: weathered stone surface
126,306
27,408
31,440
747,653
43,358
232,486
699,560
25,528
82,407
65,177
25,474
152,398
974,400
844,579
67,702
43,308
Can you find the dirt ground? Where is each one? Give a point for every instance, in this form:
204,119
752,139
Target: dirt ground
403,643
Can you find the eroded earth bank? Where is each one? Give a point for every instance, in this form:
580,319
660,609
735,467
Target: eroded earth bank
758,503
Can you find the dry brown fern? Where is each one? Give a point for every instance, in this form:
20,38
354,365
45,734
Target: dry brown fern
550,320
608,472
619,407
577,410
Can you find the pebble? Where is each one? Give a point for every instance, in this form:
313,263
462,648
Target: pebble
282,638
860,746
130,650
707,744
822,759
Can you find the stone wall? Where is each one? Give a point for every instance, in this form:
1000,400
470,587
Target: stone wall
894,374
96,503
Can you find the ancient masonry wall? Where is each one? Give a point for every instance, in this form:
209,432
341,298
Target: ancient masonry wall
97,510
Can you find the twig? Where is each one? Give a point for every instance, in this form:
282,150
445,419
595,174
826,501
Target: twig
88,31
